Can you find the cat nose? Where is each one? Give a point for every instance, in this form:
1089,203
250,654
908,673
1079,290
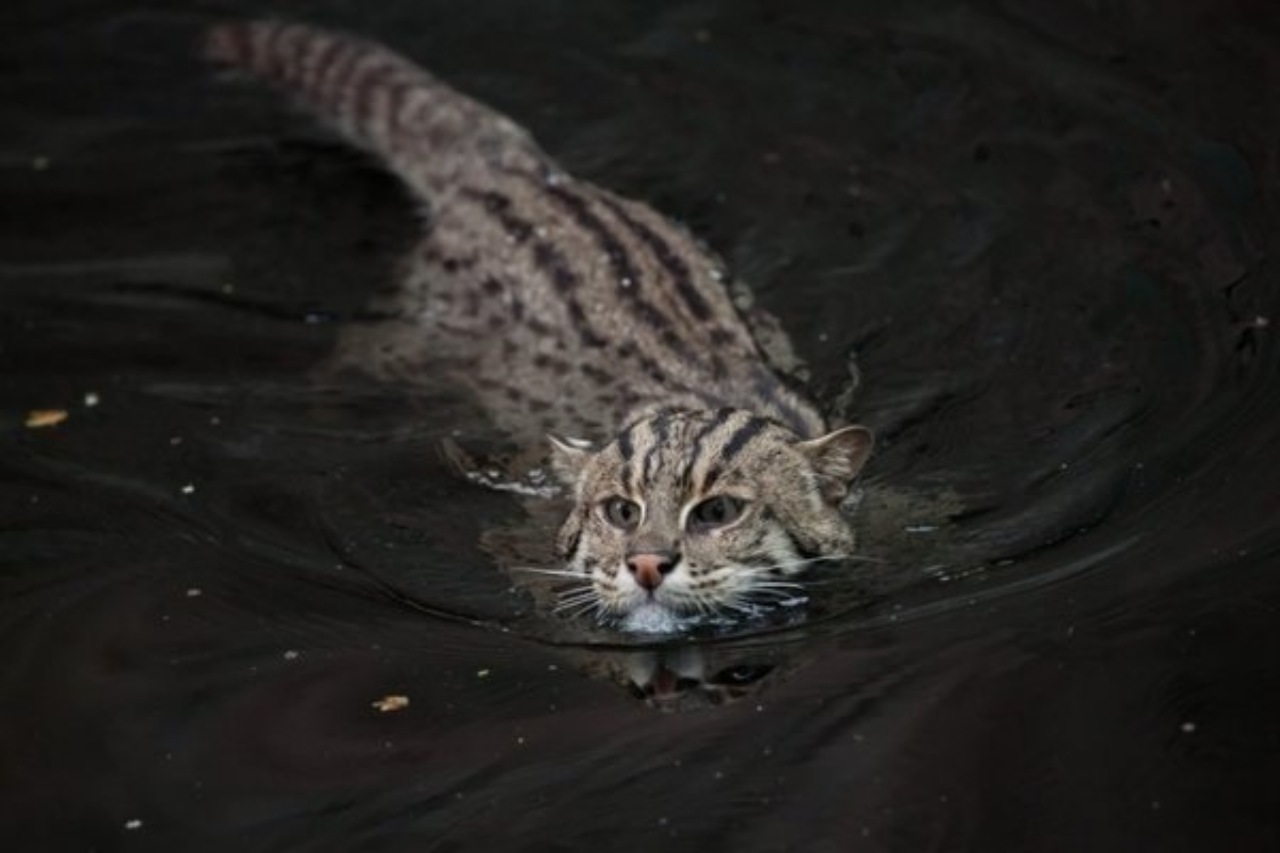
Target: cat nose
650,568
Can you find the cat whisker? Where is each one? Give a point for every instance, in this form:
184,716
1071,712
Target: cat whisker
559,573
737,600
583,591
572,601
577,585
798,563
778,594
767,579
574,597
578,608
695,602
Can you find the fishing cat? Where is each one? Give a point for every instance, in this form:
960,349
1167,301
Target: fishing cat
707,482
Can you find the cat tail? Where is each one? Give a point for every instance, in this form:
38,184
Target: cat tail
429,134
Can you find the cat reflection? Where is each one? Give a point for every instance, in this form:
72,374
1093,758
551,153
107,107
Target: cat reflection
688,677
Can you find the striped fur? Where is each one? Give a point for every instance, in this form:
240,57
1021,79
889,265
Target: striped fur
566,308
670,464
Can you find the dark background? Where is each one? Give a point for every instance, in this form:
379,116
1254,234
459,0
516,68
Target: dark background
1043,229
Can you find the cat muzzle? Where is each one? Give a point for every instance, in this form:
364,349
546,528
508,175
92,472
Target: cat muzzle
649,569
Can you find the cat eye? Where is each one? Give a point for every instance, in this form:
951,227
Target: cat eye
622,513
715,512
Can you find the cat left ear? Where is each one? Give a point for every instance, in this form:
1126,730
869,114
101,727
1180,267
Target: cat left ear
837,457
569,456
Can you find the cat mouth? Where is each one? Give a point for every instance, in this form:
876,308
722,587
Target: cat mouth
652,617
654,613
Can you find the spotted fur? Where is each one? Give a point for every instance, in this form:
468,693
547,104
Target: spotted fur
565,308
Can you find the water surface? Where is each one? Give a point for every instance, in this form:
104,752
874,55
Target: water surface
1040,233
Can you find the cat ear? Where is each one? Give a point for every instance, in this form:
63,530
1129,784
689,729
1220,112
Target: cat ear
837,457
569,456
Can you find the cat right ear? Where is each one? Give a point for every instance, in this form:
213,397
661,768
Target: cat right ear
837,457
569,456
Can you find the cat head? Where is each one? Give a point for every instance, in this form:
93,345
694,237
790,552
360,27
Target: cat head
697,512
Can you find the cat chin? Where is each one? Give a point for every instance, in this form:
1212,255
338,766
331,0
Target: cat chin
652,618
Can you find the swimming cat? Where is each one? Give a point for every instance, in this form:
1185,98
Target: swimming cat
707,483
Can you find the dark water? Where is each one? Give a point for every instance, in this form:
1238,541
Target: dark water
1045,233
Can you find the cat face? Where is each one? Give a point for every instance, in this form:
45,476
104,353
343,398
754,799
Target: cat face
704,512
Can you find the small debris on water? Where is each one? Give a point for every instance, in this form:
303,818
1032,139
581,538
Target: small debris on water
91,399
133,824
41,418
195,592
189,489
1188,727
292,654
40,162
482,673
393,702
920,528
